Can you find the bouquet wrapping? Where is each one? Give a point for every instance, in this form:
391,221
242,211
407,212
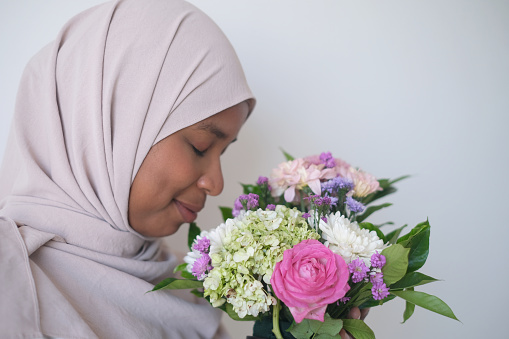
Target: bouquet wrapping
295,253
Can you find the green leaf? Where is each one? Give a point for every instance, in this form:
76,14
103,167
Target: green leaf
358,329
226,212
229,310
385,223
418,228
301,330
398,179
409,309
370,210
386,190
427,301
182,268
412,279
327,336
392,237
251,189
373,303
194,231
197,293
329,326
177,284
418,242
369,226
287,156
396,263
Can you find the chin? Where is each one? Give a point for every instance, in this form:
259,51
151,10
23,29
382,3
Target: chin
169,230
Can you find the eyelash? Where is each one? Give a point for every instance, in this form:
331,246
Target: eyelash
198,152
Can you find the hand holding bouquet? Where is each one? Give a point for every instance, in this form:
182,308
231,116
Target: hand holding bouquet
295,254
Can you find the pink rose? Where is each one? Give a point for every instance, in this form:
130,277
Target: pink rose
310,277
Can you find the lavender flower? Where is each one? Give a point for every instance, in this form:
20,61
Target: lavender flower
354,205
324,219
358,269
333,201
379,291
202,245
271,207
377,260
306,215
262,180
337,183
201,266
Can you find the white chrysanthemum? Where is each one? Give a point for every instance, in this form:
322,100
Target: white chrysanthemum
349,240
194,255
221,235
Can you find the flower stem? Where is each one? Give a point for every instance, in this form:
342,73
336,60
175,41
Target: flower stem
275,321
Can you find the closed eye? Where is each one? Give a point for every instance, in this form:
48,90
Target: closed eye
198,152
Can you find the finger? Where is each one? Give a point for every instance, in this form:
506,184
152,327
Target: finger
344,335
355,313
364,313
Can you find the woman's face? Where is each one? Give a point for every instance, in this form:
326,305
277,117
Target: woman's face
179,172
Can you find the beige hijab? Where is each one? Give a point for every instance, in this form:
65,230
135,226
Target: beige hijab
119,78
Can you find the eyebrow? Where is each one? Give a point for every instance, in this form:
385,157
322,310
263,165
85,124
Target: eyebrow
211,128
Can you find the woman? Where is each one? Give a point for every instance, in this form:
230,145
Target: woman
79,248
118,130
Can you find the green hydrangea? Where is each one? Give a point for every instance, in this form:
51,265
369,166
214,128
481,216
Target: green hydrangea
247,254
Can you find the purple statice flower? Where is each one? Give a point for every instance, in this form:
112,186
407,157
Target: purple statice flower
306,215
252,201
324,219
202,245
344,300
312,197
271,207
377,260
237,207
201,266
376,277
262,180
358,269
318,201
379,291
249,201
329,201
327,159
354,205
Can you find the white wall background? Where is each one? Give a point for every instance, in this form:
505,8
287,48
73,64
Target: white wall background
395,87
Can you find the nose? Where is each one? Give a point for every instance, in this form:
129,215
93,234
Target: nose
211,180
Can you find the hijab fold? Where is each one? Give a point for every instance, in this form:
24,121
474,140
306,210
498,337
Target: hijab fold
119,78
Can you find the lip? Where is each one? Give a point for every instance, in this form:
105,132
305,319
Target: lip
189,212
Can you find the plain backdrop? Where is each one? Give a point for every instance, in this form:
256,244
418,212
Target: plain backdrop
393,87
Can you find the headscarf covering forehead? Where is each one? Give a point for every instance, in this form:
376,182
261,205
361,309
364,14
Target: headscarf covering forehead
119,78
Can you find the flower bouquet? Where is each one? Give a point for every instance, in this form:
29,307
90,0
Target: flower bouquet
295,253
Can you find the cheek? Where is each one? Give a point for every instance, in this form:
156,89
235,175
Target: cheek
178,172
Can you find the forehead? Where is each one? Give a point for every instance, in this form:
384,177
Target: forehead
226,123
